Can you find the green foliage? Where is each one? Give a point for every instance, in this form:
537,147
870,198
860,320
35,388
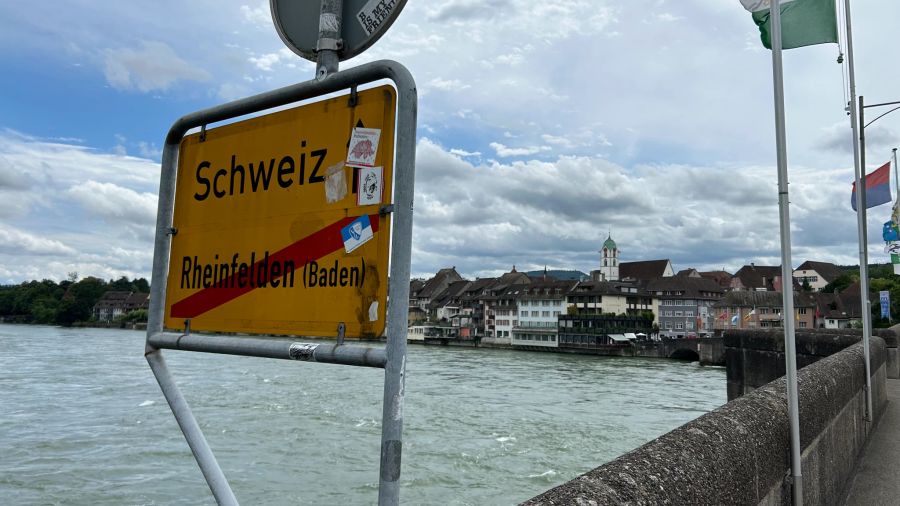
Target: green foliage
842,282
138,315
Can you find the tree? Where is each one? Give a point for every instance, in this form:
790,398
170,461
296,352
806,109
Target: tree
78,303
806,286
122,284
142,285
841,283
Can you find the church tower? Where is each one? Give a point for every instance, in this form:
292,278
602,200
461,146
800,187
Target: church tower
609,260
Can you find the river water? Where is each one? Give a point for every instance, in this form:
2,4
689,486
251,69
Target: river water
82,421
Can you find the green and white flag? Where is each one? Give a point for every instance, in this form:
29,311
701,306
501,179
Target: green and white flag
803,22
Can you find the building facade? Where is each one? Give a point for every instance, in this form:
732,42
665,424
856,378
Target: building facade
685,304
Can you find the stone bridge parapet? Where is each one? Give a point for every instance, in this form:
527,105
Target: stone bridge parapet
740,453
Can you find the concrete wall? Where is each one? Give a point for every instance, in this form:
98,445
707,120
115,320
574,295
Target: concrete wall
740,453
756,357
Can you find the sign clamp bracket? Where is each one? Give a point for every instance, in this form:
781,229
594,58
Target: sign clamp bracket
353,101
203,133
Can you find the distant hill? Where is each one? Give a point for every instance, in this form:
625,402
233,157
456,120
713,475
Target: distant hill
561,274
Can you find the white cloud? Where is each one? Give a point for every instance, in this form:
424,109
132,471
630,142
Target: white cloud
259,15
505,152
115,204
74,208
448,84
462,152
485,218
18,242
155,66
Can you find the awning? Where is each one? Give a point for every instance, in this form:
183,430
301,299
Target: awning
631,336
618,338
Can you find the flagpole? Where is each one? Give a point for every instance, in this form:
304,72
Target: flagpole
787,290
896,181
859,171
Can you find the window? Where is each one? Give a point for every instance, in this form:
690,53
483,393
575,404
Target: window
545,314
556,313
678,313
535,314
802,310
679,325
802,325
679,302
688,325
668,325
667,313
523,314
689,313
763,310
545,302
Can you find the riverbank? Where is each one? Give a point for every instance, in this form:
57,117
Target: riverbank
707,351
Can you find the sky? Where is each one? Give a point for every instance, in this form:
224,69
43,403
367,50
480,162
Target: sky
542,127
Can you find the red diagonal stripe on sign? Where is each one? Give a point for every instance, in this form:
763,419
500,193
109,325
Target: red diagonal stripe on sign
312,247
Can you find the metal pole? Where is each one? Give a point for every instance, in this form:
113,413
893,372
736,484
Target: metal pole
787,278
401,248
859,155
896,181
209,466
330,41
271,348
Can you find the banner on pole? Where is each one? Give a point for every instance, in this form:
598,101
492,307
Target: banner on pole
885,299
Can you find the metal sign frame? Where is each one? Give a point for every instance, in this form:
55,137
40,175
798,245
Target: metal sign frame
392,358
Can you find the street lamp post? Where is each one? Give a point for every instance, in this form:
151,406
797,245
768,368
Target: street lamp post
864,243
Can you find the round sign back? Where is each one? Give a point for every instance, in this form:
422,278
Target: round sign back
364,22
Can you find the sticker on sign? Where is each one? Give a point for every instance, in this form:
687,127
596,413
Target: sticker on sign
357,233
363,147
370,186
374,13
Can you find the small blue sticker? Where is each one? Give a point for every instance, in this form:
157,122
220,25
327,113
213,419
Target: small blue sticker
357,233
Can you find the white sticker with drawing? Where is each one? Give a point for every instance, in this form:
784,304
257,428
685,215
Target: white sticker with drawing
370,186
363,147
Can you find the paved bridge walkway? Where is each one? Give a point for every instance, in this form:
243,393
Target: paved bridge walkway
877,478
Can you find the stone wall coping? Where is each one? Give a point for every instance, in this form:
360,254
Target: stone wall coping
736,454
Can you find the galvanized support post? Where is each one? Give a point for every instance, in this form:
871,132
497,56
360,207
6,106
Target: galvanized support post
330,41
401,248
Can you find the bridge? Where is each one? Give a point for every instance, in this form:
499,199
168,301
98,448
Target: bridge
740,452
707,351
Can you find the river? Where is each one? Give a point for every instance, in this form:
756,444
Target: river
84,422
